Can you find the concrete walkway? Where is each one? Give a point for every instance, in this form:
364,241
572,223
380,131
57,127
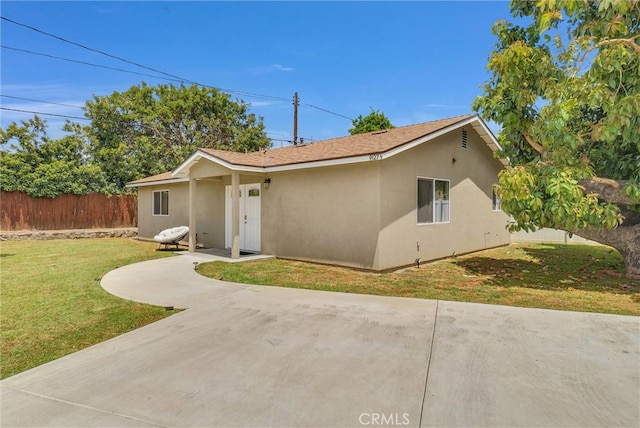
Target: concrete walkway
267,356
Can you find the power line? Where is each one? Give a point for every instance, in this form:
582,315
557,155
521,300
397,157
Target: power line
84,118
285,139
328,111
85,63
59,104
44,114
230,91
40,101
248,94
172,76
90,49
80,107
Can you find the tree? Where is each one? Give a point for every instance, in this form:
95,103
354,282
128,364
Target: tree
149,130
374,121
30,162
565,87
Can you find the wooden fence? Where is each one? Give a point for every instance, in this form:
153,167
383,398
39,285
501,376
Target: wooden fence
19,211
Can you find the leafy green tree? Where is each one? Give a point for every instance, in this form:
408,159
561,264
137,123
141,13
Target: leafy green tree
148,130
30,162
565,87
374,121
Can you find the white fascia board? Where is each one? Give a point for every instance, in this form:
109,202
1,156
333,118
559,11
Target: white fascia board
159,182
486,134
318,164
183,169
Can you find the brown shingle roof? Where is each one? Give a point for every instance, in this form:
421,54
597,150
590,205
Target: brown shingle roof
336,148
326,150
159,177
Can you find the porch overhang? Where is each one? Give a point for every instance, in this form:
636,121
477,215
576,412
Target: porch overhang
182,171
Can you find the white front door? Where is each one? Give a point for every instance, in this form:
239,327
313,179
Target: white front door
250,195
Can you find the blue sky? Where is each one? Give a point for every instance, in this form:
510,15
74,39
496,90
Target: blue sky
413,61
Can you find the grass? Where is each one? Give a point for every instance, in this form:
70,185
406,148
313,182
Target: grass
564,277
52,303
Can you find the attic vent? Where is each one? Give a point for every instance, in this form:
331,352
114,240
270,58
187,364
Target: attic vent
379,132
463,142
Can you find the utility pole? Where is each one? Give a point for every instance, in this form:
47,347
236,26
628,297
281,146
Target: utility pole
295,118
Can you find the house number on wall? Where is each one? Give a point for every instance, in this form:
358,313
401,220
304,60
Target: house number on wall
377,156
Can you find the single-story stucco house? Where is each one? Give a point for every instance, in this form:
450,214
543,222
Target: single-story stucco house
374,201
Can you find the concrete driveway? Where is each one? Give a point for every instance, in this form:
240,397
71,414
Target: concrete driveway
266,356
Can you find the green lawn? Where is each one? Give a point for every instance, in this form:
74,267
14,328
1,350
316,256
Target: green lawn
52,303
565,277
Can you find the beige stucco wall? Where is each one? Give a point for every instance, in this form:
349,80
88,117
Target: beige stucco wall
325,214
148,224
209,211
473,224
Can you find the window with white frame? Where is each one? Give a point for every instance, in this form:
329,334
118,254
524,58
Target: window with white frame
161,202
433,200
496,203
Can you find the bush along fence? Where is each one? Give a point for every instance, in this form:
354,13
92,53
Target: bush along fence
21,212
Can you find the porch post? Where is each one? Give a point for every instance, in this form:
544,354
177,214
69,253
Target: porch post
235,215
192,215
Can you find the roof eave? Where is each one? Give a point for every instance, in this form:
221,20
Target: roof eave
183,169
133,184
486,134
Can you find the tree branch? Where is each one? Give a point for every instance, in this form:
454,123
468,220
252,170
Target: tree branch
630,42
608,190
160,136
610,237
631,218
537,147
607,181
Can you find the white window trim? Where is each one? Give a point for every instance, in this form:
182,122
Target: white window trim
153,200
434,205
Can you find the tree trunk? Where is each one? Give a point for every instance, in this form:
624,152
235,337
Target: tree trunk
625,239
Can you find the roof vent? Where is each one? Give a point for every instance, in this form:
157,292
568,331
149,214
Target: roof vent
463,142
379,132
